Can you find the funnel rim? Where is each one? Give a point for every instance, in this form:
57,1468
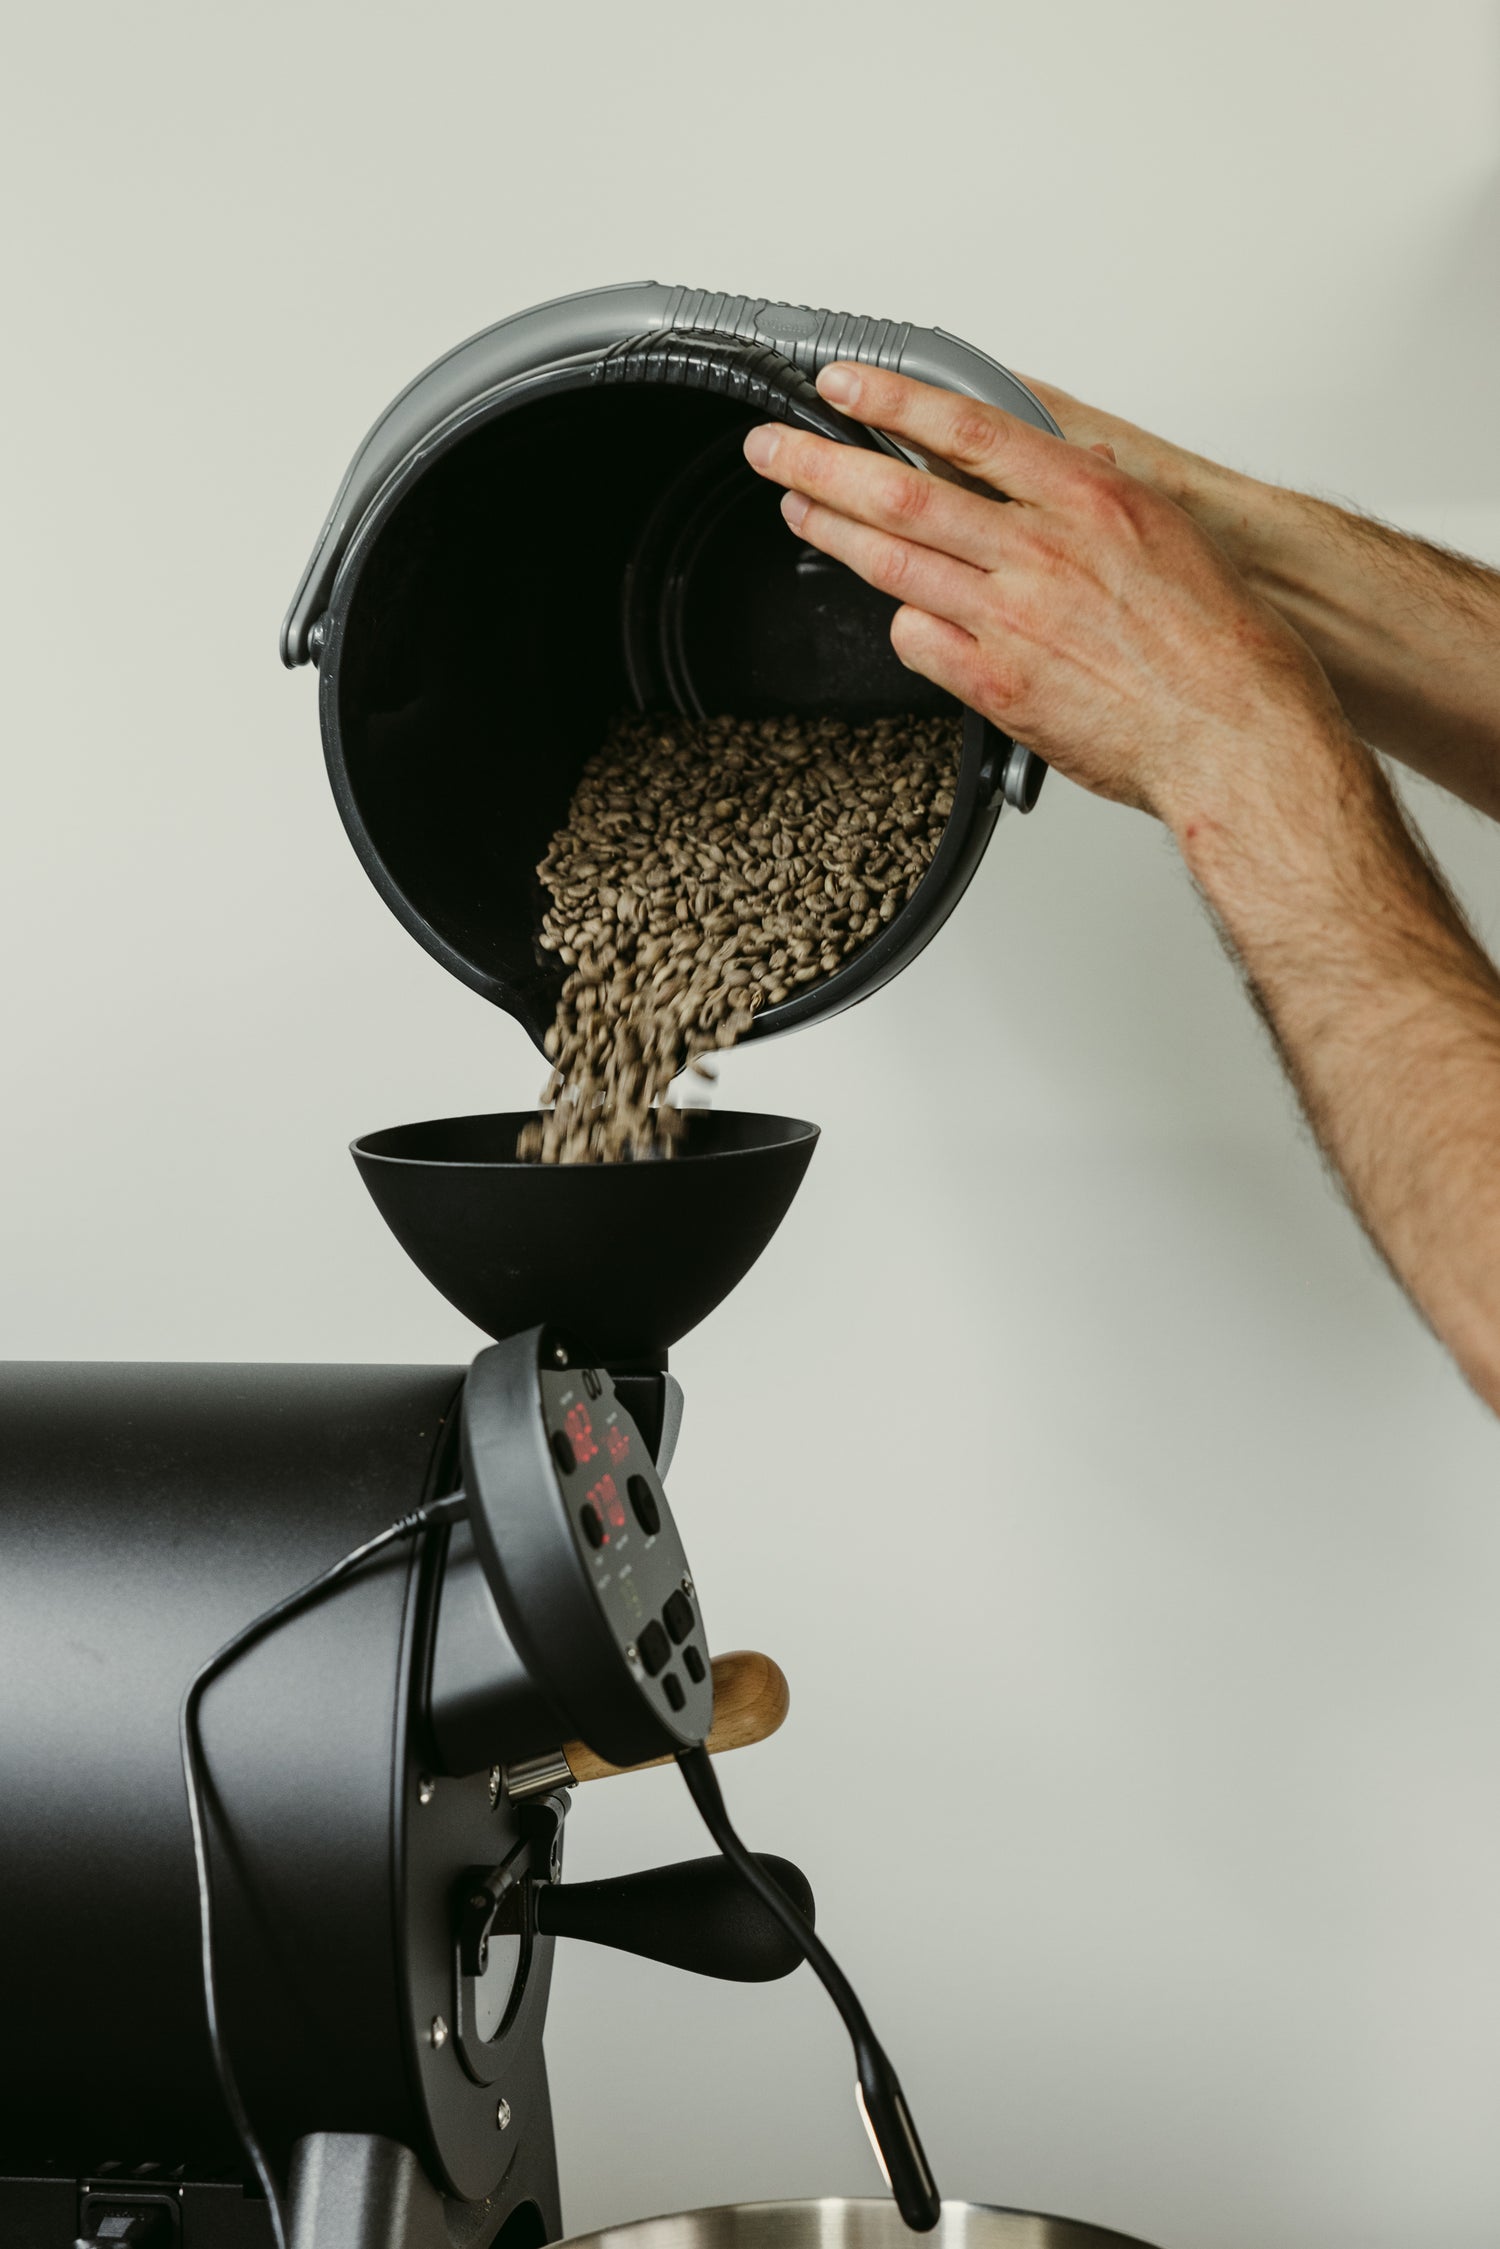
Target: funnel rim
796,1132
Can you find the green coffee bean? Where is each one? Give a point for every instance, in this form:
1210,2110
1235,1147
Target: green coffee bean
708,869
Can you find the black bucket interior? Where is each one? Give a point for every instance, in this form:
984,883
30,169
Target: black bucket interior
591,550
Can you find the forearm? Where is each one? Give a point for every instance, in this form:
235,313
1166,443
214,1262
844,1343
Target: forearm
1384,1008
1408,634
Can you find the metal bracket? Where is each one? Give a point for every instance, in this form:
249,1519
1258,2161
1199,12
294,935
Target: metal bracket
487,1896
493,1897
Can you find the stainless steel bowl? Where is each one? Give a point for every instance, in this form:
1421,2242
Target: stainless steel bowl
835,2222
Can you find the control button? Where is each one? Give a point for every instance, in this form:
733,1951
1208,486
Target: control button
563,1453
651,1646
674,1691
643,1500
678,1617
593,1523
693,1665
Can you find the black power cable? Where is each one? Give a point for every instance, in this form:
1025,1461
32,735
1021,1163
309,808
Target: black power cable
887,2117
194,1776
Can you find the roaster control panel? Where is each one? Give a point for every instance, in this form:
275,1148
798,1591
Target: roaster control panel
629,1543
580,1554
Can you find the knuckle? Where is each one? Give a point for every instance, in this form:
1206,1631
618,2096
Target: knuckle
908,496
1113,504
892,566
1001,682
973,433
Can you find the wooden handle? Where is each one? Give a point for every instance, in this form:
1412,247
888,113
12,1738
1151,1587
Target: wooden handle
751,1698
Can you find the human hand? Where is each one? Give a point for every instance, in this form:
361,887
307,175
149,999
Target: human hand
1242,515
1089,617
1164,466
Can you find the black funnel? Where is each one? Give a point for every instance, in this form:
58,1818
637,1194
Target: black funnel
623,1258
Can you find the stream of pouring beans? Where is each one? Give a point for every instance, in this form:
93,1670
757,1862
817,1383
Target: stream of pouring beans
708,868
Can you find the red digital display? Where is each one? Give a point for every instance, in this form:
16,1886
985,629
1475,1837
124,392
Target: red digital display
581,1434
607,1499
619,1443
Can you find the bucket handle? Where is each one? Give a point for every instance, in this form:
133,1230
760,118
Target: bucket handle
756,375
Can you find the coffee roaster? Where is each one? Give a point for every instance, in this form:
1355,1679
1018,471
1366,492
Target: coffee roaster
301,1667
381,1759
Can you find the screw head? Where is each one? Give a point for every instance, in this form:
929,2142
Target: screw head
632,1653
438,2034
426,1788
560,1355
495,1779
502,2116
687,1583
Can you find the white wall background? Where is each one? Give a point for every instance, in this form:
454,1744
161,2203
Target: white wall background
1146,1741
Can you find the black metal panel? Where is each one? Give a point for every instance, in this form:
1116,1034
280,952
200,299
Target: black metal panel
146,1512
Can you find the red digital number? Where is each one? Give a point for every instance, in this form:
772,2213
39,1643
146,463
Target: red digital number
581,1433
619,1443
607,1499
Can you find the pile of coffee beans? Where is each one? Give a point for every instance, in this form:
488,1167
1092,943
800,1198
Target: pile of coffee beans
709,868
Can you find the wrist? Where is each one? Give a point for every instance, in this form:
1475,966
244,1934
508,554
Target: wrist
1283,796
1278,540
1306,861
1246,519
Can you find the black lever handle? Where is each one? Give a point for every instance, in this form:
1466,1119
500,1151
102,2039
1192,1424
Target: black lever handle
698,1915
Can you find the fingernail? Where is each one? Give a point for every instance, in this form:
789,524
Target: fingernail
840,383
761,445
794,506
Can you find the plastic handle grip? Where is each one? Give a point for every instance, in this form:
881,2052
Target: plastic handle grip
755,375
809,335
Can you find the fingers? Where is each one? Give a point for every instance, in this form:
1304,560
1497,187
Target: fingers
1022,462
887,494
936,582
940,651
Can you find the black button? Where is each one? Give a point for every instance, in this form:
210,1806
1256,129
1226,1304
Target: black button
678,1617
672,1688
652,1647
693,1665
643,1500
593,1524
563,1453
